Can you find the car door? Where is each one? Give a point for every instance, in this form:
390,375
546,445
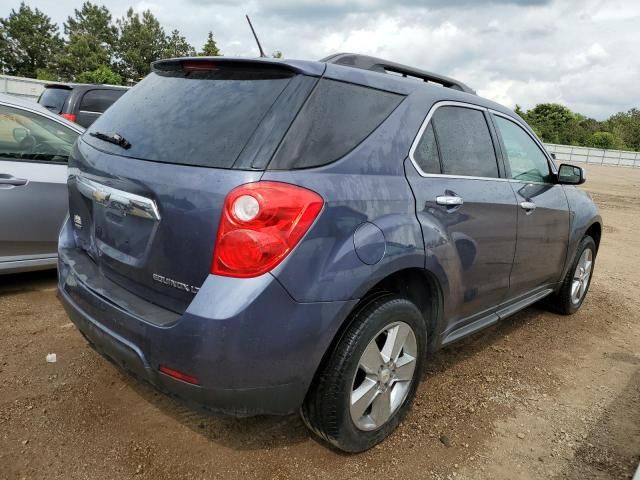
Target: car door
33,174
94,103
467,210
543,213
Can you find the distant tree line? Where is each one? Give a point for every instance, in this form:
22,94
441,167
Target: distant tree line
94,48
555,123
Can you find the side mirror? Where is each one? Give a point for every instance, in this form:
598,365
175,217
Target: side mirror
20,133
571,175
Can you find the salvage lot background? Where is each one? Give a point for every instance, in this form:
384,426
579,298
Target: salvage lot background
539,395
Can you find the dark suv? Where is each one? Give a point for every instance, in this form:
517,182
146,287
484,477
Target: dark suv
266,236
80,103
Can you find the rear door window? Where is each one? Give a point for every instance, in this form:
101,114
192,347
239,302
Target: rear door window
426,152
465,143
54,98
336,118
97,101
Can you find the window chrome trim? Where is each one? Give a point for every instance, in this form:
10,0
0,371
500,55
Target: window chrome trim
423,127
449,103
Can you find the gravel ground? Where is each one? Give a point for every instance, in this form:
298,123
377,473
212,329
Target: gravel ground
537,396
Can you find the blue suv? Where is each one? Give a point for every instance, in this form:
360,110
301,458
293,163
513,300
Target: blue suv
264,236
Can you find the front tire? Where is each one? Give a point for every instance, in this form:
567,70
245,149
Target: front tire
366,385
576,283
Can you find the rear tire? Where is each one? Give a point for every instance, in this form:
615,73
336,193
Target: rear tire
576,283
366,385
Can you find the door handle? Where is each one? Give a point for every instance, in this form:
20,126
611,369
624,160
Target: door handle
449,200
528,206
12,181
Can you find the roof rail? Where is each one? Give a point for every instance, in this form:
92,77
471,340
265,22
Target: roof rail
366,62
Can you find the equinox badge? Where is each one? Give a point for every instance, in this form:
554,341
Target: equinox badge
172,283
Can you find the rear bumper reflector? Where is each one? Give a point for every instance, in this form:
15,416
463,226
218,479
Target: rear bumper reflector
183,377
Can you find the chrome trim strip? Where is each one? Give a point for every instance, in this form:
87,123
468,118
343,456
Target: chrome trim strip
125,202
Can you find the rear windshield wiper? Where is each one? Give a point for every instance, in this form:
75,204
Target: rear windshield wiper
116,139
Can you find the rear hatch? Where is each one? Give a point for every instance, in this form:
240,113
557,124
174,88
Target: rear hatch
148,179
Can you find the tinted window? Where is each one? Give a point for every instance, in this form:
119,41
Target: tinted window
54,98
426,152
193,117
526,160
29,136
336,118
99,100
465,143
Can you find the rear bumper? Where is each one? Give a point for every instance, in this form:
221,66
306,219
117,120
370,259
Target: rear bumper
251,346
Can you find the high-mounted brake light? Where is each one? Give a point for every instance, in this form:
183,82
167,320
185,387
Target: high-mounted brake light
198,65
260,224
72,117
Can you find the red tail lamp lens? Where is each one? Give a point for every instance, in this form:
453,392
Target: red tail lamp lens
261,223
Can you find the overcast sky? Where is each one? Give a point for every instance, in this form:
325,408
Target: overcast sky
582,53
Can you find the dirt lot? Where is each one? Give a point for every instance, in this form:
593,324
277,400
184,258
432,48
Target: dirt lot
538,396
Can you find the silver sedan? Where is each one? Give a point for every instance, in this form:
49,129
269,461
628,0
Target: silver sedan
34,148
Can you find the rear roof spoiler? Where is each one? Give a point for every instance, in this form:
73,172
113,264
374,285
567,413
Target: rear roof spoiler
58,85
315,69
380,65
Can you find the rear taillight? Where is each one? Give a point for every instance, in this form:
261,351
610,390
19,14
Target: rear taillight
261,223
72,117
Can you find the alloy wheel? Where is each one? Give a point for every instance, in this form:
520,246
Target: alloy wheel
384,376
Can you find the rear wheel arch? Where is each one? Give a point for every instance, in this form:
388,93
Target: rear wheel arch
415,284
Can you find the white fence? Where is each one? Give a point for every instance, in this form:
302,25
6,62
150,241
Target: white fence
22,87
617,158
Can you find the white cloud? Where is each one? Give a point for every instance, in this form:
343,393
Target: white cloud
578,52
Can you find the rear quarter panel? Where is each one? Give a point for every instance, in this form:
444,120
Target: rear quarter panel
366,185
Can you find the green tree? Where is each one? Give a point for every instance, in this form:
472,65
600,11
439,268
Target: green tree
604,140
91,40
554,123
177,46
626,127
30,41
277,54
210,48
142,41
102,74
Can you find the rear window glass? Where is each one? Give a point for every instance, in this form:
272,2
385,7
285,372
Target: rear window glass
202,118
54,98
99,100
336,118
